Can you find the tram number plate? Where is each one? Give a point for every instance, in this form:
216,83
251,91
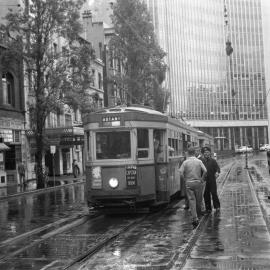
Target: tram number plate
131,176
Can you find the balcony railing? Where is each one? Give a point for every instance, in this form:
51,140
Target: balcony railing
62,131
62,136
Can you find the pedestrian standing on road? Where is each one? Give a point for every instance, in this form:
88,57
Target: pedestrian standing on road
213,172
21,171
193,172
183,185
199,155
76,169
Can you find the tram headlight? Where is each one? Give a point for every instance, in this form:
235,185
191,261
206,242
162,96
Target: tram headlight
113,182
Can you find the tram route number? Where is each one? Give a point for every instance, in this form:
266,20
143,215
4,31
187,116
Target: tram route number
131,175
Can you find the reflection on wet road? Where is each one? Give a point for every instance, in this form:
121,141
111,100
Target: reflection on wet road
237,237
22,214
153,242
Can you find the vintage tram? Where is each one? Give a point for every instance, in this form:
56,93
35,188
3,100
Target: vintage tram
132,156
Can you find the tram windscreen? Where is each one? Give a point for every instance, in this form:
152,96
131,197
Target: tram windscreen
113,145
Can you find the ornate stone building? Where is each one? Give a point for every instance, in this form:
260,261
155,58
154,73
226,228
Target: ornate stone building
12,115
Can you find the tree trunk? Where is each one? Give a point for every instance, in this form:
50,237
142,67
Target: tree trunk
40,172
40,176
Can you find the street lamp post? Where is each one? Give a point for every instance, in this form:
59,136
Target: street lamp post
246,155
246,159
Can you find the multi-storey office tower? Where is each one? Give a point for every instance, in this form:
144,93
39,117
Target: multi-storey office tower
216,66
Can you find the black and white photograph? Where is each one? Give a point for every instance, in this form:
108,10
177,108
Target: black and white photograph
135,135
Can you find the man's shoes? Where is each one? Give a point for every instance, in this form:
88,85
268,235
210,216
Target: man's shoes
195,224
217,210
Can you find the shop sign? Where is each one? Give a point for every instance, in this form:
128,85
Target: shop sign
6,134
11,123
77,140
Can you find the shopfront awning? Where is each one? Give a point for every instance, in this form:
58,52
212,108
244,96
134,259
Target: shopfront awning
3,147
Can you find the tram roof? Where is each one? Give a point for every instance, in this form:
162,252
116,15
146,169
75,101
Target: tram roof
133,108
134,112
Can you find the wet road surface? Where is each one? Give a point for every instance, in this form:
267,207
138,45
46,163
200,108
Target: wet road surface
237,238
23,214
59,250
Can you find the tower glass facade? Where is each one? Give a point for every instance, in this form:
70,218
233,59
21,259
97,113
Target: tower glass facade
221,92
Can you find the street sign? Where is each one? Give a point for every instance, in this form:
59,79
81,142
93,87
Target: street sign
52,149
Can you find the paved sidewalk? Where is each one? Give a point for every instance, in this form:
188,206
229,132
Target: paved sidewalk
237,237
31,185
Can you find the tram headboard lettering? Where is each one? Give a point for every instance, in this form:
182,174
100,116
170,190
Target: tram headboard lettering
111,121
131,175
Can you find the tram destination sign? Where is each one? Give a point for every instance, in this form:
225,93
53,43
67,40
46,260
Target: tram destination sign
131,175
111,121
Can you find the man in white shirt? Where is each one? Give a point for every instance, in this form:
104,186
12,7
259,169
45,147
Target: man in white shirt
193,172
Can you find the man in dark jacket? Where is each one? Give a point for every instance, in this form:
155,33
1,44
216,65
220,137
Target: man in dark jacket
213,172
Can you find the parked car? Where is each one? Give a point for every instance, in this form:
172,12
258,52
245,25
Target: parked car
265,147
244,149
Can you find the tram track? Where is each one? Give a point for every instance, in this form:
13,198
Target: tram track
40,230
198,231
37,236
78,263
66,231
75,264
38,191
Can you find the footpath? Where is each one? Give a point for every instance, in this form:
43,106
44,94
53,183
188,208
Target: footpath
238,237
30,186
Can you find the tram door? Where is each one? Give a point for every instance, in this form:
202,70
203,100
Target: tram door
160,165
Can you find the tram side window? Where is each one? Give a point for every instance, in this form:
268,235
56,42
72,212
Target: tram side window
113,145
173,147
142,143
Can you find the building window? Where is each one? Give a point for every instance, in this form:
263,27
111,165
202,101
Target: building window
99,81
118,65
100,50
8,89
77,115
53,121
17,136
93,77
58,119
10,159
142,143
111,59
54,49
68,120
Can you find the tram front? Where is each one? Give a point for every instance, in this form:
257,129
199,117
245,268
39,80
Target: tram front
118,175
